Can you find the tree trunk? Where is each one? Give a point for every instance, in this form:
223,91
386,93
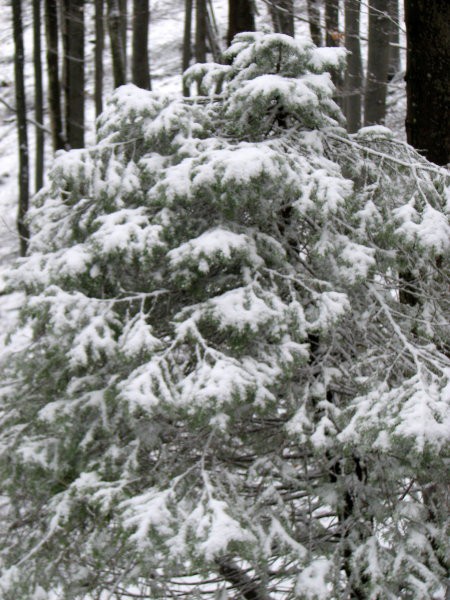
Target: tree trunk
354,73
140,65
315,29
99,43
186,60
200,31
38,96
212,32
21,125
117,50
394,39
332,22
314,22
427,80
240,17
377,62
54,86
282,13
123,6
74,70
333,39
427,118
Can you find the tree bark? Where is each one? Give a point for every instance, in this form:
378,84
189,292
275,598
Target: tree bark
354,72
140,68
212,32
186,59
38,96
394,39
377,62
74,69
54,85
240,17
99,44
200,31
117,50
282,13
427,80
22,133
333,39
332,22
314,22
123,9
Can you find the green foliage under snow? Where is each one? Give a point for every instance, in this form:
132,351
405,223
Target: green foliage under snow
239,352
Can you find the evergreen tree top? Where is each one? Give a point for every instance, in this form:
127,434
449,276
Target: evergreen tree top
238,361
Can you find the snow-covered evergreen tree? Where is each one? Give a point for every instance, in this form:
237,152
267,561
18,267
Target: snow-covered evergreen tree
237,373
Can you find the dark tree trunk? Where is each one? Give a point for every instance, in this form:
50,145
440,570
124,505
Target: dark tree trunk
21,125
314,22
427,78
377,62
99,43
200,31
140,68
117,49
394,40
186,60
54,86
354,73
74,72
332,22
333,39
212,32
123,8
427,128
38,96
282,13
240,17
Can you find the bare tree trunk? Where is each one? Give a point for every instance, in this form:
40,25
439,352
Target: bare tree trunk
200,31
332,22
240,17
186,60
333,39
123,8
282,13
212,32
74,67
54,86
99,44
377,62
38,96
427,80
394,40
354,73
21,125
314,22
427,118
117,50
140,65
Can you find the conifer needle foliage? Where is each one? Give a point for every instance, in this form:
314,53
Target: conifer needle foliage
236,367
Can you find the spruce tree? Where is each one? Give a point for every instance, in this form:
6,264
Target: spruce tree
216,384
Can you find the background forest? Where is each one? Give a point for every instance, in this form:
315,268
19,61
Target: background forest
225,361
